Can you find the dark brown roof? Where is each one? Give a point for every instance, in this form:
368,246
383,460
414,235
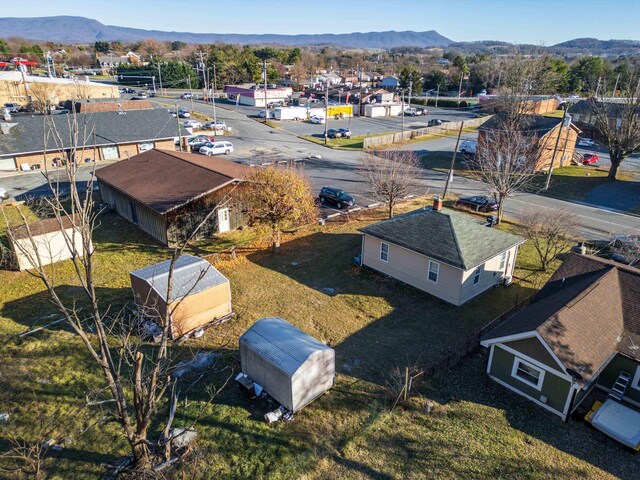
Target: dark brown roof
589,309
41,227
164,180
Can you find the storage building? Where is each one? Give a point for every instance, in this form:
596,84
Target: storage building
200,294
293,367
52,239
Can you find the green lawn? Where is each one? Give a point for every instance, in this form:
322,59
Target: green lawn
575,182
353,143
376,325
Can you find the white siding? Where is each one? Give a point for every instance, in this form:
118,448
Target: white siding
412,268
52,247
490,276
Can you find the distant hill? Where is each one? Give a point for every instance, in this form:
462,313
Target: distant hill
68,29
593,45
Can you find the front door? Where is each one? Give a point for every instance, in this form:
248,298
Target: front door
224,224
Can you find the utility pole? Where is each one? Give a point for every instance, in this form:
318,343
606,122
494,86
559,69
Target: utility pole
460,87
598,87
437,94
555,149
266,110
204,74
402,112
326,113
213,96
410,88
160,78
153,78
453,162
179,129
615,87
190,91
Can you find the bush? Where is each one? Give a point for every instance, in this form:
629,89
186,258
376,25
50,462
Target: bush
442,102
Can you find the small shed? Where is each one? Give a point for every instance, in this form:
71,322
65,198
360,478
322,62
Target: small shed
52,239
200,294
291,366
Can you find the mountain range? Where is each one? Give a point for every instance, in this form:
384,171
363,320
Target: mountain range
68,29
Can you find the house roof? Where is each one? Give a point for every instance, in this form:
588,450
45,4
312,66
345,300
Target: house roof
164,180
587,107
35,133
42,227
589,309
454,238
191,275
538,124
280,343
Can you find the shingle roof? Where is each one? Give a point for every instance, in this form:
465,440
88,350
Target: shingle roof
42,227
589,309
165,180
191,275
538,124
33,133
454,238
283,345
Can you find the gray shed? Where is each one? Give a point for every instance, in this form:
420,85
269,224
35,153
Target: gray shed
292,367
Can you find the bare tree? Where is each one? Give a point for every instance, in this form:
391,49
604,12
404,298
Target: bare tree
45,95
550,231
137,376
390,175
618,123
277,198
627,249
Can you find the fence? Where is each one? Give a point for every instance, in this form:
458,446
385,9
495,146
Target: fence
399,137
471,343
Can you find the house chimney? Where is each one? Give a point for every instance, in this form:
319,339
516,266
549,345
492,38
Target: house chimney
437,203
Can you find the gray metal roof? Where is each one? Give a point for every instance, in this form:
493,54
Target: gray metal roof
281,344
454,238
191,275
35,133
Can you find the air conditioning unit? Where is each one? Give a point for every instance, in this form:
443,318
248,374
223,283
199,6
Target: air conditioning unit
507,280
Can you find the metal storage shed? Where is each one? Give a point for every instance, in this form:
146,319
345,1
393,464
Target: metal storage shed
292,367
199,294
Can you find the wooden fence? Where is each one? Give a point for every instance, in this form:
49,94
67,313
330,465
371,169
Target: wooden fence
399,137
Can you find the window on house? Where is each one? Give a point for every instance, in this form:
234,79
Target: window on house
109,153
434,271
134,212
527,373
503,261
476,275
384,252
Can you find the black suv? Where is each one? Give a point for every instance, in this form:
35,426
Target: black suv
335,196
333,133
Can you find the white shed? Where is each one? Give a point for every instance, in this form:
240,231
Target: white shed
52,240
293,367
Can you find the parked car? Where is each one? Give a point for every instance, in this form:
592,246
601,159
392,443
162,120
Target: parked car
216,148
586,142
479,203
333,133
345,132
482,92
434,122
275,104
199,141
412,112
468,147
153,94
215,126
192,124
574,95
129,90
142,95
183,113
186,96
421,111
261,114
12,107
335,196
317,120
3,194
590,158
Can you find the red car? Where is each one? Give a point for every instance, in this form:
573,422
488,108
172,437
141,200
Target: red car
589,158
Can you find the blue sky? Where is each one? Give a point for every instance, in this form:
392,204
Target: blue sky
520,21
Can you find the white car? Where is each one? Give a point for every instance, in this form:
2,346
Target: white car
216,148
191,124
468,147
586,142
318,120
3,194
215,126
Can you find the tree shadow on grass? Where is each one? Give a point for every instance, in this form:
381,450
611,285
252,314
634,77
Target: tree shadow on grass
468,383
385,323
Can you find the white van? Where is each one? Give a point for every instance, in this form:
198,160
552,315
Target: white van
216,148
468,147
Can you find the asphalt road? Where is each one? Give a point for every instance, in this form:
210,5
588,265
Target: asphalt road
257,143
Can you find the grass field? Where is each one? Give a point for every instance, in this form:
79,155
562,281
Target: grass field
376,325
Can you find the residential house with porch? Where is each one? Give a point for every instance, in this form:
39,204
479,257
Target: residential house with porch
581,333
